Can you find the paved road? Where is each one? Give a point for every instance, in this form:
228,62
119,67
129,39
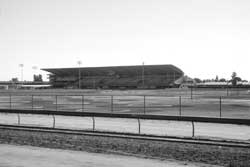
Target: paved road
27,156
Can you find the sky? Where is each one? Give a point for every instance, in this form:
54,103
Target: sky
204,38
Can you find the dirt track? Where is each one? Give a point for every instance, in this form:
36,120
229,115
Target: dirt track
12,155
150,149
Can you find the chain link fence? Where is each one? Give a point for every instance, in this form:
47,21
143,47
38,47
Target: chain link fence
222,103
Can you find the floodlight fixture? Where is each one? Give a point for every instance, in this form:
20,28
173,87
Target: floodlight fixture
143,77
21,66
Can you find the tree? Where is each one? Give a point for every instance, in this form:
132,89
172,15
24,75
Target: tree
197,80
235,79
222,80
216,78
37,78
14,80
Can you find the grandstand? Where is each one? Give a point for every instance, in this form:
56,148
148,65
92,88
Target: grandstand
115,77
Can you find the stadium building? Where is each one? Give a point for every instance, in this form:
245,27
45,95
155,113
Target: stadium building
115,77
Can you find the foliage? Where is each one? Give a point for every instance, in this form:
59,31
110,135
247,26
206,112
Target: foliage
197,80
222,80
37,78
235,78
216,78
14,80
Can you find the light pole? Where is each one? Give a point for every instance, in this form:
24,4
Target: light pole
36,77
79,74
21,66
34,68
143,75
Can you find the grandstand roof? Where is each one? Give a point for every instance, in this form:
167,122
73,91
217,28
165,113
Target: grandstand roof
148,69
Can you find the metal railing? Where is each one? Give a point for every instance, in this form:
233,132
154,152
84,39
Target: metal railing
139,118
220,107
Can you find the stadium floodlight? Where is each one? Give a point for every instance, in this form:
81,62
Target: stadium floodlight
143,75
79,74
35,71
21,66
34,68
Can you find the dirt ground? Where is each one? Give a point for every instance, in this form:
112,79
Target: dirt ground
161,150
28,156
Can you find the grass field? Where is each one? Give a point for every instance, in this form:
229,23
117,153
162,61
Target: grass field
200,102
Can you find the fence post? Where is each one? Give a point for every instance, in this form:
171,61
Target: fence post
10,102
56,102
144,104
54,121
82,103
191,96
193,130
18,119
227,90
220,107
112,98
32,102
93,118
139,126
180,106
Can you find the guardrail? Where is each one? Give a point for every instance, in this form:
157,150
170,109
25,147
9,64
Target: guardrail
192,120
